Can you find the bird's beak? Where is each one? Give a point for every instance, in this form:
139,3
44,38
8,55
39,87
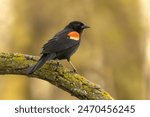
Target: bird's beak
85,26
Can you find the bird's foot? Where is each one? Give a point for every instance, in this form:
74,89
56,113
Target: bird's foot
75,71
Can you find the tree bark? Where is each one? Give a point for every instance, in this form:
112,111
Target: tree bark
55,73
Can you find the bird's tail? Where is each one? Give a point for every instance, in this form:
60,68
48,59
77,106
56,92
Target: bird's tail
40,63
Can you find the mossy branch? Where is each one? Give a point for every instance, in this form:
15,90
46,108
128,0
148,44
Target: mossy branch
54,73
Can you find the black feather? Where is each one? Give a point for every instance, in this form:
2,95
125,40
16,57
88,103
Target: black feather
41,62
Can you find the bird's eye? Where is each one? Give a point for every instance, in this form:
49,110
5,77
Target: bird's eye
78,25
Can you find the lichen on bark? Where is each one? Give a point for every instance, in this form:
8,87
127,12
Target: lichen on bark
55,73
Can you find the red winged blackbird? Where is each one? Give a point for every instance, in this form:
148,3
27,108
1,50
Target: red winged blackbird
62,45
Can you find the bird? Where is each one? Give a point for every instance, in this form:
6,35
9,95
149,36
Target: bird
62,46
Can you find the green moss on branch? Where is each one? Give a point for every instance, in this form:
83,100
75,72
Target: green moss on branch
54,73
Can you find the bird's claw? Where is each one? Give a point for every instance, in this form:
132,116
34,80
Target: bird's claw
75,71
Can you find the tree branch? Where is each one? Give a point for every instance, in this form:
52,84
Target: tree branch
54,73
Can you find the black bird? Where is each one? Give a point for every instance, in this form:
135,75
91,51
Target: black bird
62,45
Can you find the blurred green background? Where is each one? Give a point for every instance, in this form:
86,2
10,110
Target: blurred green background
114,52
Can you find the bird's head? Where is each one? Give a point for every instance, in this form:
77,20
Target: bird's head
77,26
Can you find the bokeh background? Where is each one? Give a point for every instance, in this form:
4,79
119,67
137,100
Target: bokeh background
114,53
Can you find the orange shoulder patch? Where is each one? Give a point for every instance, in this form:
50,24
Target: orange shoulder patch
74,35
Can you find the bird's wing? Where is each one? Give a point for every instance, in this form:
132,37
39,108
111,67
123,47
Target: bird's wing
60,42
